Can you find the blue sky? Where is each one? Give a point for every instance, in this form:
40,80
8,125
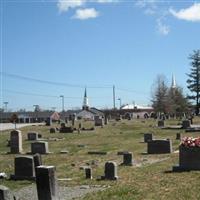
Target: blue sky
95,44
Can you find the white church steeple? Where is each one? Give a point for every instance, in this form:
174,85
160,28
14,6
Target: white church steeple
85,101
173,82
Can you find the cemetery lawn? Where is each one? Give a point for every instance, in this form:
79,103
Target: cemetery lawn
150,178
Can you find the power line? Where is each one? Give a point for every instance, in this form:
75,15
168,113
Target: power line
25,78
48,96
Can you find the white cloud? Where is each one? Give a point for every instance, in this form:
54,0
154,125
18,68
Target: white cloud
64,5
189,14
162,28
86,13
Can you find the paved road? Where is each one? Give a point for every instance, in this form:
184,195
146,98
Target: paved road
8,126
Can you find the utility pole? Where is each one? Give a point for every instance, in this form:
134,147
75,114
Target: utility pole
113,97
63,106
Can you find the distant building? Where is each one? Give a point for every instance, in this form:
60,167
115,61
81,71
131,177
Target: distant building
29,117
86,112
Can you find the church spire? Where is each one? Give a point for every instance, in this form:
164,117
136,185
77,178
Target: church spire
85,101
173,82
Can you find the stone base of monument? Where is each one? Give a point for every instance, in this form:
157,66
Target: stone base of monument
16,178
110,179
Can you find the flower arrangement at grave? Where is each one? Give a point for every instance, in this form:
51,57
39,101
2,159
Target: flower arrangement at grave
190,142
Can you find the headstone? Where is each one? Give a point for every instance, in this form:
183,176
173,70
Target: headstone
32,136
48,121
98,121
128,159
66,130
39,135
88,173
110,171
39,147
24,168
178,136
52,130
148,137
80,126
106,120
186,124
159,146
37,159
5,193
62,125
16,142
46,183
161,123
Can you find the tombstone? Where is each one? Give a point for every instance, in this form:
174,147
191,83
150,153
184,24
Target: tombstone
62,125
24,168
110,171
52,130
48,121
15,142
128,159
98,121
80,126
39,147
159,146
32,136
73,119
148,137
46,183
88,173
5,193
106,120
161,123
37,159
66,130
178,136
186,124
39,135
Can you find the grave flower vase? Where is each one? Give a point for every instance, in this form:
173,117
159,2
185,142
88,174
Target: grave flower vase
189,157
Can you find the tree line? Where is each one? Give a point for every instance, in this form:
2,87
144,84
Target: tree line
171,100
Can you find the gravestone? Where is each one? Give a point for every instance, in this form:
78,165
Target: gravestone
52,130
98,121
39,135
178,136
80,126
37,159
46,183
148,137
106,120
24,168
32,136
48,121
110,171
189,159
15,142
88,173
39,147
161,123
186,124
128,159
5,193
159,146
66,130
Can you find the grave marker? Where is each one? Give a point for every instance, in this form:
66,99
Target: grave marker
46,183
15,142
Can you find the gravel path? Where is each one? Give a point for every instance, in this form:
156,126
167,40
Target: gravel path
8,126
65,193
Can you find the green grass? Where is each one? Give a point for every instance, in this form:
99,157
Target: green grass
150,181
